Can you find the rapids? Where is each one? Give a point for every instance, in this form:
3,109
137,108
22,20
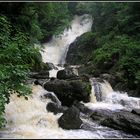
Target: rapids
30,119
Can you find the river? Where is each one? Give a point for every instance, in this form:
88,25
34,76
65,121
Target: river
30,119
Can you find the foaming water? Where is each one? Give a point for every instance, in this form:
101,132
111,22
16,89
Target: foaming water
123,99
55,51
53,72
30,119
105,88
111,99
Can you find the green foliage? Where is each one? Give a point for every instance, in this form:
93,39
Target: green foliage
116,27
39,20
21,26
14,57
123,52
45,19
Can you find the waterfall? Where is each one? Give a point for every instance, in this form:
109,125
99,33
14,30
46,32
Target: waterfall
109,98
99,90
30,119
55,51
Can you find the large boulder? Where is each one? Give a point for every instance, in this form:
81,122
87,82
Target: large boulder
70,119
121,120
68,91
80,50
67,73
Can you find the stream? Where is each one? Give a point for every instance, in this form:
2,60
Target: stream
30,119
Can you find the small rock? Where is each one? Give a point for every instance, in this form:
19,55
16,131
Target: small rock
136,111
55,108
52,97
51,66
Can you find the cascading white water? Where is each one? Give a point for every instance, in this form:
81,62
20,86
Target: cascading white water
55,51
30,119
111,99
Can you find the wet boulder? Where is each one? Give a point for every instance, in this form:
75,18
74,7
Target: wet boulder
67,73
55,108
120,119
68,91
70,119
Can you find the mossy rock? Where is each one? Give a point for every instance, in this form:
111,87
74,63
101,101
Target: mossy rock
69,91
80,50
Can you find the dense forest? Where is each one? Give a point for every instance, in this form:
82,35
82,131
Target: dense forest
116,29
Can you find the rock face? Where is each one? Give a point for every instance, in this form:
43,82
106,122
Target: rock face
70,119
68,91
121,120
80,50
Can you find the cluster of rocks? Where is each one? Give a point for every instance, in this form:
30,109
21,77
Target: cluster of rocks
127,121
67,85
71,89
68,88
81,52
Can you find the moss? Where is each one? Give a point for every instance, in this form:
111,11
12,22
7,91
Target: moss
88,88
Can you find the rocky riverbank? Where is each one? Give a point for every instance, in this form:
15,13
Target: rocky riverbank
71,89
